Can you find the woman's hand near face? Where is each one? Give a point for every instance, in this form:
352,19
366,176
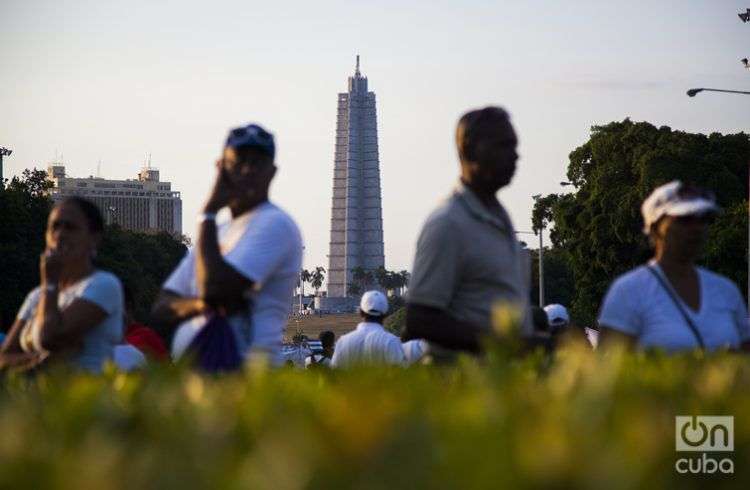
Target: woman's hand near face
50,266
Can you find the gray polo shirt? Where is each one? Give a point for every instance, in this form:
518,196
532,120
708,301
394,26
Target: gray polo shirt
468,258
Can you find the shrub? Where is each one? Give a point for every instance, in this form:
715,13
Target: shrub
583,421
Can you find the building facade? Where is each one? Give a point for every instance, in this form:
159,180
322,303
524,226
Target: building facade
145,204
356,211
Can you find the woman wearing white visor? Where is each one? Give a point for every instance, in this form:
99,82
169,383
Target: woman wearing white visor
670,303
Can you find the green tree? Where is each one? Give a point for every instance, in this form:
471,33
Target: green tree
316,278
354,289
24,206
382,277
598,227
391,280
304,277
142,261
361,280
396,321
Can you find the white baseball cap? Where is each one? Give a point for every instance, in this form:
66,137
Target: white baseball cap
676,199
374,303
557,315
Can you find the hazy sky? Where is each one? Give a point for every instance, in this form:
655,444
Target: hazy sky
94,80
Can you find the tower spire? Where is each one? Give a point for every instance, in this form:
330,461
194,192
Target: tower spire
357,71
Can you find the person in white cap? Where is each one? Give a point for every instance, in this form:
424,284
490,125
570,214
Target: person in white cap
557,317
670,303
370,343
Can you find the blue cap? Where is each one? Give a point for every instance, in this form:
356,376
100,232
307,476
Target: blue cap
252,135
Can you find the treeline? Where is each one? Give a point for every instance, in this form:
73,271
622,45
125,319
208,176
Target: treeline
363,279
141,260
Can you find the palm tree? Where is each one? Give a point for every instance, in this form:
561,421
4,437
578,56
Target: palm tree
382,277
361,278
403,280
317,277
354,289
304,276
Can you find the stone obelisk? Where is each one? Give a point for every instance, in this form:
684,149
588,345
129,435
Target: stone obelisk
356,211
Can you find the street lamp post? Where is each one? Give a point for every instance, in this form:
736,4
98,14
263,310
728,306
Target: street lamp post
536,198
693,91
541,267
541,262
301,285
4,152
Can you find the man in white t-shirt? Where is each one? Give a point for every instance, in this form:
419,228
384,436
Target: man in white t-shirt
370,343
245,269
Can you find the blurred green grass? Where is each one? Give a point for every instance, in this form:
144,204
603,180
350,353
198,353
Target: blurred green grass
581,420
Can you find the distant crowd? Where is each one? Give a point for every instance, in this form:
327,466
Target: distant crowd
228,299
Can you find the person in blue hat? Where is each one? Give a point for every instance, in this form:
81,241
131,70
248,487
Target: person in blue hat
244,269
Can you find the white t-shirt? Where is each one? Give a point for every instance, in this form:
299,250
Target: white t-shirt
637,304
370,343
319,359
105,291
415,350
265,246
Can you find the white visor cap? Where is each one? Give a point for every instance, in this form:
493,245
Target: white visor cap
675,199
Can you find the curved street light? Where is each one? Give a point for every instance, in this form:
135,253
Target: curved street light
693,91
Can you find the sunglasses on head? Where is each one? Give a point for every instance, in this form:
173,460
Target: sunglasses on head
243,137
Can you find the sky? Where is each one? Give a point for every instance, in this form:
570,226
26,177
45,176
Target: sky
115,81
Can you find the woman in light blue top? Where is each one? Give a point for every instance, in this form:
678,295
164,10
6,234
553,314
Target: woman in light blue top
670,303
76,314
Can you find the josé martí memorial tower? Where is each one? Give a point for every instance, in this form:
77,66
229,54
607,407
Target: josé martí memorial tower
356,211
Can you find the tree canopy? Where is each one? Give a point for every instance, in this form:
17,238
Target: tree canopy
24,206
598,227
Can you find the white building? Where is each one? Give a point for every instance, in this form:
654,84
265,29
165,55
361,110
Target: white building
145,204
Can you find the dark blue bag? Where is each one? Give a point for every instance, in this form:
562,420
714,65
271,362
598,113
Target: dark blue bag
214,349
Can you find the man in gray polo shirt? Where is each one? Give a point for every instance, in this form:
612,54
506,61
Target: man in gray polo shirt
468,257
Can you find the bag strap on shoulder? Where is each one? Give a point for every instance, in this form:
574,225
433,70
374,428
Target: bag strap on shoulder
679,305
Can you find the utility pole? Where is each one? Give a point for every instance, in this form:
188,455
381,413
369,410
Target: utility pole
536,197
541,262
301,285
4,152
541,268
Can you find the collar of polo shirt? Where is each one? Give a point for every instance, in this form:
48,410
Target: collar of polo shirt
478,210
